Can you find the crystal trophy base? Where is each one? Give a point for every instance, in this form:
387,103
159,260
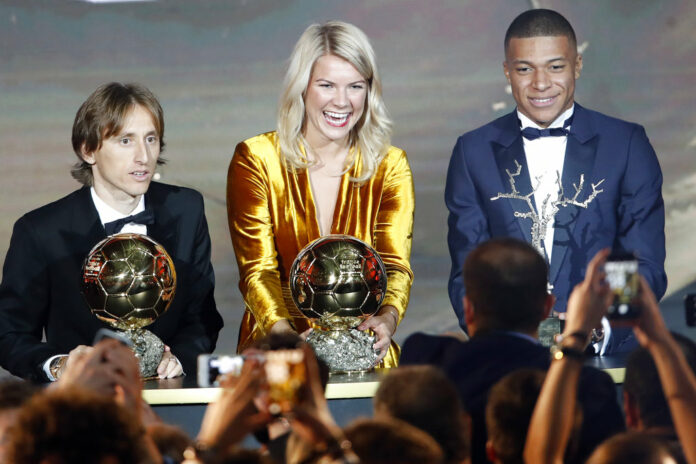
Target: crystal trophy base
148,349
344,350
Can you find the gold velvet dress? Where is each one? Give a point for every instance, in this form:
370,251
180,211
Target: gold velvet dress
272,216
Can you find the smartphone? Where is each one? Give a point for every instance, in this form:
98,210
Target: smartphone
285,374
108,333
690,309
211,367
622,276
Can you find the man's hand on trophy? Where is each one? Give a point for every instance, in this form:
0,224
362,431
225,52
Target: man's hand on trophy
383,324
170,366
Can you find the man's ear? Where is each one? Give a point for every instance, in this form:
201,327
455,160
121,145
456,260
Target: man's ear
507,71
87,157
578,65
469,315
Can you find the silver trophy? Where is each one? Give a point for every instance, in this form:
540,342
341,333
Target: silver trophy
549,328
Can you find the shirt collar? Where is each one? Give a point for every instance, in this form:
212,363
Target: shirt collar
109,214
558,122
521,335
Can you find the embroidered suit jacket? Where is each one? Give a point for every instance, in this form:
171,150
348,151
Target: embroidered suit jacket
628,214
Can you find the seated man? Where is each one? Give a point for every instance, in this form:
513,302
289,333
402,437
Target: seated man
506,299
117,137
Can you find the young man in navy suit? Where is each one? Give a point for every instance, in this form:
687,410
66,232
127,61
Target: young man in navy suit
550,141
118,137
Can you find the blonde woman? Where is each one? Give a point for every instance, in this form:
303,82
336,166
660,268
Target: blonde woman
328,169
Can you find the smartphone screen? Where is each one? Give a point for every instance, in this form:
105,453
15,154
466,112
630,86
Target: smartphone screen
285,373
622,276
211,367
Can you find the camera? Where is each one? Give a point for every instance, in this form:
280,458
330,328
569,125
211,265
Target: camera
622,276
211,367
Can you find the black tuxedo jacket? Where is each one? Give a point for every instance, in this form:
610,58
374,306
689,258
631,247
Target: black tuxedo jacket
40,290
476,365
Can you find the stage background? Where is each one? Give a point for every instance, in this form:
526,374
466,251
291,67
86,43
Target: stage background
217,67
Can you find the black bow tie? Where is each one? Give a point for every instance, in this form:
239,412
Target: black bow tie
144,217
531,133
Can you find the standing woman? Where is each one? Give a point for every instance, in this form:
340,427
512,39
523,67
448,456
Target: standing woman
328,169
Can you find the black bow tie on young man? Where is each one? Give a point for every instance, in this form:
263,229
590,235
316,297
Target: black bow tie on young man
144,217
531,133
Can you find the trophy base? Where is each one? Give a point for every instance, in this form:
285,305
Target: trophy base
148,349
344,351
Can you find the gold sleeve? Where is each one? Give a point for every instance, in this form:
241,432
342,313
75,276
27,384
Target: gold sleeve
393,232
251,229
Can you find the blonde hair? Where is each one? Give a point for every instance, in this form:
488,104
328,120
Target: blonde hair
371,135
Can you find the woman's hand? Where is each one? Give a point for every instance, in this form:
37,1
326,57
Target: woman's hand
383,324
282,326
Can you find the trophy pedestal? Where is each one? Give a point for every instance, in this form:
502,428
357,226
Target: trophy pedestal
344,350
148,349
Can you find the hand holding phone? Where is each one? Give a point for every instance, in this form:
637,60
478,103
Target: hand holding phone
622,276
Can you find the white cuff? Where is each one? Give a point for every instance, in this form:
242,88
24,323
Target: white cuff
47,367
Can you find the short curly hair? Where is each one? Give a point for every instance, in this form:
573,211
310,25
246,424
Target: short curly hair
540,22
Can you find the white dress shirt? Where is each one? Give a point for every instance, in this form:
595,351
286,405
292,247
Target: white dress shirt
545,157
109,214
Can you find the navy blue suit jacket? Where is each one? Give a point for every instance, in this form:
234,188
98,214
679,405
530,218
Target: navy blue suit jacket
628,214
476,365
40,290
